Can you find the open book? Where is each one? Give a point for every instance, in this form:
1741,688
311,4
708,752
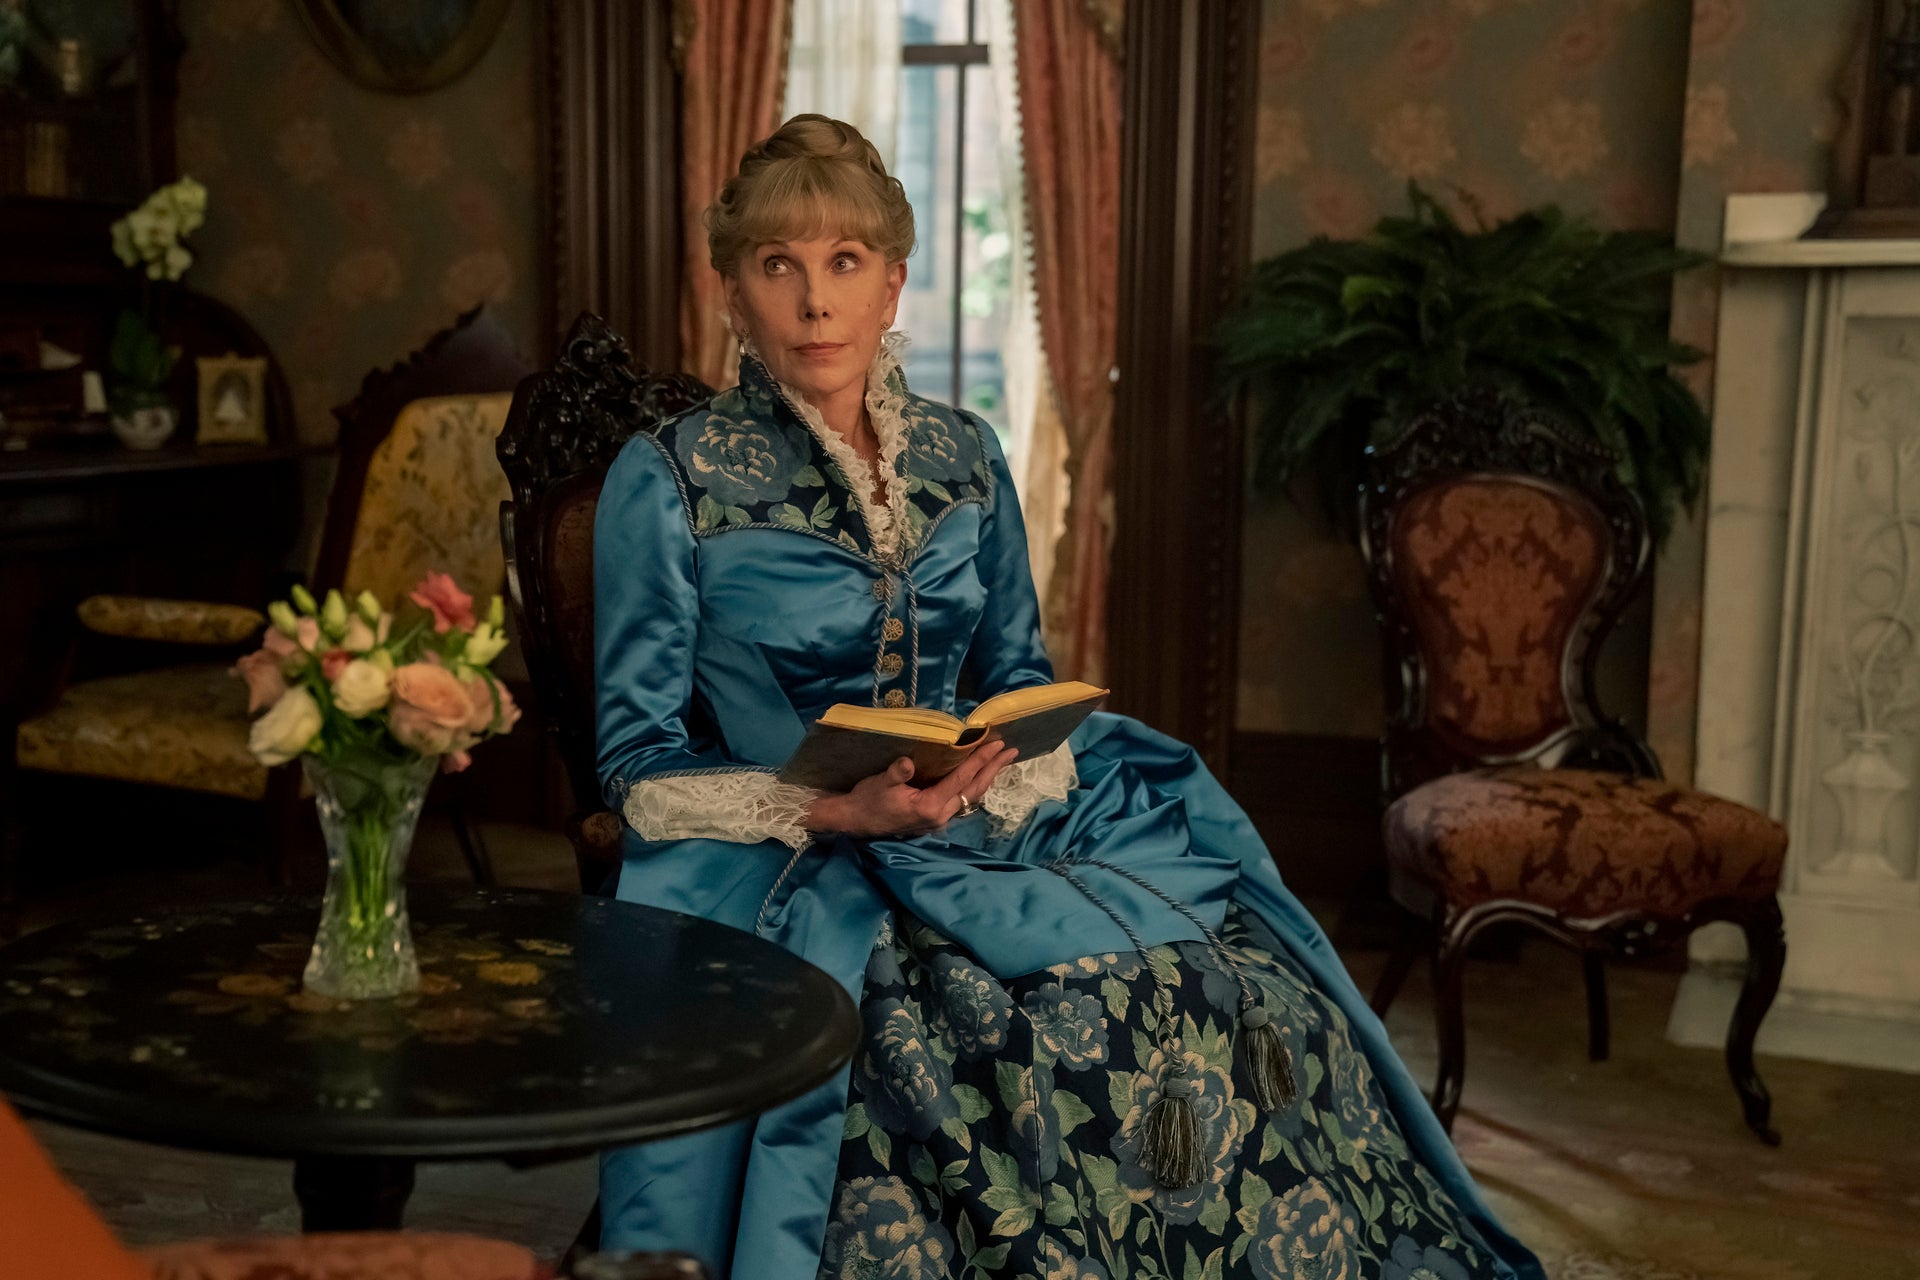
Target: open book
851,742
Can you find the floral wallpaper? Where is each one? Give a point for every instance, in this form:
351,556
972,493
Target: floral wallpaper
348,224
1493,105
1641,113
1760,116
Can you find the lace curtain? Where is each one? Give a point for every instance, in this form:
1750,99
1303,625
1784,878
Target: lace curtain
845,63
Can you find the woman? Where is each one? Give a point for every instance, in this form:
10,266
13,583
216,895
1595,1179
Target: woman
1101,1038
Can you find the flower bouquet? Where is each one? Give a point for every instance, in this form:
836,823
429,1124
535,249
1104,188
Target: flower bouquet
372,712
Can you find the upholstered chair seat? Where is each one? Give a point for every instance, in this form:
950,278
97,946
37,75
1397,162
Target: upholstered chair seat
1582,843
183,727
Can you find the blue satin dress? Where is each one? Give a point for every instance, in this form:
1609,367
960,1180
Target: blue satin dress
738,595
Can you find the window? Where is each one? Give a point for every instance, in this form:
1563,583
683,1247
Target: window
959,299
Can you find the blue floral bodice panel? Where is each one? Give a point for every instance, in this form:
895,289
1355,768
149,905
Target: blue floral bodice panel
748,461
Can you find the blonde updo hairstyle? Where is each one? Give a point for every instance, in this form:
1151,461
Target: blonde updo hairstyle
814,176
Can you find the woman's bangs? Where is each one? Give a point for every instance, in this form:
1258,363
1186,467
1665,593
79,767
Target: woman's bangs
805,202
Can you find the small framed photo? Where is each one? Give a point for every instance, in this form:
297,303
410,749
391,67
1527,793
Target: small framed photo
233,399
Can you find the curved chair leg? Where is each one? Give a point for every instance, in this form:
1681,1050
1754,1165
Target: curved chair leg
1449,1011
1598,1023
1766,957
1399,964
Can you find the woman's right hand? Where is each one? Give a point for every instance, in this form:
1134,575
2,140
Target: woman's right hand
886,804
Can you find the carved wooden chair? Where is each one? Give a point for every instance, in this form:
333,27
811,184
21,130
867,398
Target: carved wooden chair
1501,552
414,490
564,429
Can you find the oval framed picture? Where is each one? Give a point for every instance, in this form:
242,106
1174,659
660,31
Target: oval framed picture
403,46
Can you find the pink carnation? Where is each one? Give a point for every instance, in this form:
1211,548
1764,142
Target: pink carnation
451,606
261,670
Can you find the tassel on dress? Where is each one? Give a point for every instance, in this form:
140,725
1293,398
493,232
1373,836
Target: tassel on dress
1268,1062
1170,1133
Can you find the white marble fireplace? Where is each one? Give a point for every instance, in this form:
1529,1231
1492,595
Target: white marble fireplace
1810,632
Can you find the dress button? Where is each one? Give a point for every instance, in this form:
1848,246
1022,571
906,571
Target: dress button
893,630
881,591
890,664
895,698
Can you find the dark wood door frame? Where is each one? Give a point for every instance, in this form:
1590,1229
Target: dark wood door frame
611,153
1185,213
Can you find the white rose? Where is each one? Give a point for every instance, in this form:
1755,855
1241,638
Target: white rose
288,728
362,688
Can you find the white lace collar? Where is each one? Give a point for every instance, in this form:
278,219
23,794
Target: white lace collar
886,407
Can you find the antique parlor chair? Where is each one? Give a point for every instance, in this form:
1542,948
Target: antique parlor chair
414,490
1500,553
563,432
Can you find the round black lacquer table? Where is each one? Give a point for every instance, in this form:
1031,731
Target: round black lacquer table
546,1024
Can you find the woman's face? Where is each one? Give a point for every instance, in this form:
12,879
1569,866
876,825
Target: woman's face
815,310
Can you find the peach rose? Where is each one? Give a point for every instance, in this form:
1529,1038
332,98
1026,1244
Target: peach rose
417,730
451,606
261,670
435,691
484,716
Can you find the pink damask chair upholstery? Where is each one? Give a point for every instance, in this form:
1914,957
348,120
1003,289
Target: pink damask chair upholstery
1500,553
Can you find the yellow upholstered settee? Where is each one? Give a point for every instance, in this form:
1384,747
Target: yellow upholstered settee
417,489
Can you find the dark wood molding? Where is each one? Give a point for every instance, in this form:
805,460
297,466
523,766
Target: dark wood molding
611,153
1185,214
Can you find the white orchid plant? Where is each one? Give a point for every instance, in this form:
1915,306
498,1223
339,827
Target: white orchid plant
150,240
337,679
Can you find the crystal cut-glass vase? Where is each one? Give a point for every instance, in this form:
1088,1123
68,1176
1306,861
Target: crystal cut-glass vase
368,806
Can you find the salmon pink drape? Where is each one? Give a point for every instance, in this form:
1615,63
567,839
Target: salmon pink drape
1067,60
734,77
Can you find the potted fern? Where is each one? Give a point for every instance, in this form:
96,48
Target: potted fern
1344,342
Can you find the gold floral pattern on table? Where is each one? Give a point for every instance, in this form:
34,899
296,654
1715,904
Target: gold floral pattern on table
1494,106
182,727
387,1255
432,499
1583,843
348,224
173,621
1496,575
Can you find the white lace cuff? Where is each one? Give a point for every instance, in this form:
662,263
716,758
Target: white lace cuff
742,805
1023,784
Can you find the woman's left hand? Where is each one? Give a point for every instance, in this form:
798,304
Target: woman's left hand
887,804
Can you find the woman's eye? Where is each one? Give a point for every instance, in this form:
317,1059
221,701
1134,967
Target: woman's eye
846,262
776,265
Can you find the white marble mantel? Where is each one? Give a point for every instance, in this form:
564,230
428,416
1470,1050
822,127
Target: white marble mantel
1810,629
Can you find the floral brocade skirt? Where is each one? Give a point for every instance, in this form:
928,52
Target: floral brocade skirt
993,1130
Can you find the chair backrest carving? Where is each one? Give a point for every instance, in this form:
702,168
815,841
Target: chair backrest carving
1501,551
563,432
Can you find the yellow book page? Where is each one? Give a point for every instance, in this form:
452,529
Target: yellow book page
923,723
1041,697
